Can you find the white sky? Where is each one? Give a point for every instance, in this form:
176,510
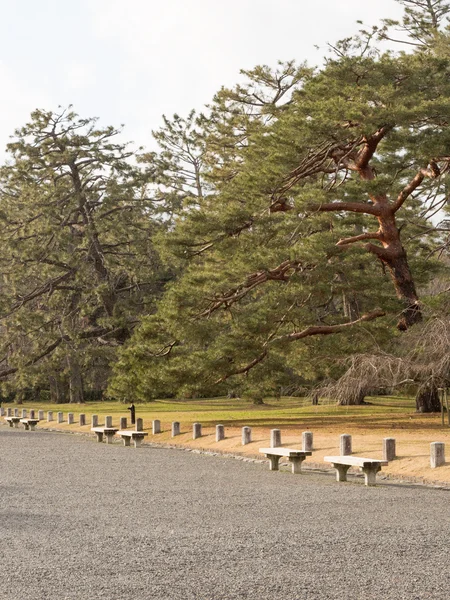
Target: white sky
130,61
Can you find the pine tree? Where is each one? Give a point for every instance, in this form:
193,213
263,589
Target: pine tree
78,264
313,222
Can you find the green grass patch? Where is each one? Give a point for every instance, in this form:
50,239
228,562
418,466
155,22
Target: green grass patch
380,411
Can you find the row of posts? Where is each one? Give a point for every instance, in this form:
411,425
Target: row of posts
437,450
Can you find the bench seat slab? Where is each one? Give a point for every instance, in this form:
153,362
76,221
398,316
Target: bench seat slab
295,457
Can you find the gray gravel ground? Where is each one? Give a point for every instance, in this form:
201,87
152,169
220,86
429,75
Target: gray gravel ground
82,520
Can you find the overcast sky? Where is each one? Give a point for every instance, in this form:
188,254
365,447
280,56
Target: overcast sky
130,61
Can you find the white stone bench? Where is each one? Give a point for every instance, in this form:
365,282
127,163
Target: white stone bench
29,424
295,457
369,466
129,436
108,432
13,421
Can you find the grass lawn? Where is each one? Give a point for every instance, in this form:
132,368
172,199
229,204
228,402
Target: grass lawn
273,413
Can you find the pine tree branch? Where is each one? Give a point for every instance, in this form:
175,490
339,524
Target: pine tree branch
327,329
357,207
432,172
359,238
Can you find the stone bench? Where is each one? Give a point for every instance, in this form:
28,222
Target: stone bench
13,421
129,436
369,466
295,457
108,432
29,424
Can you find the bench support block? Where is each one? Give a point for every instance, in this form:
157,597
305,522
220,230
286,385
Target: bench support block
99,435
126,441
370,474
274,462
341,471
296,462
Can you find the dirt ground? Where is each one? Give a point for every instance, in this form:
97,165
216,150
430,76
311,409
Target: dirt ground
413,438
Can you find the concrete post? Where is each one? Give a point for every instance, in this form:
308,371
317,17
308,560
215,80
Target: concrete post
2,411
24,413
108,421
9,412
388,448
60,417
40,415
123,423
307,441
49,416
275,438
94,421
70,418
16,412
246,435
196,430
82,420
437,454
32,414
220,433
345,444
156,426
139,424
175,428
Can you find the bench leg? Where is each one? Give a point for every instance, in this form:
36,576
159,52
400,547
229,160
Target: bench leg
99,435
341,472
109,438
274,460
137,442
126,441
32,427
27,427
16,425
370,474
10,423
296,462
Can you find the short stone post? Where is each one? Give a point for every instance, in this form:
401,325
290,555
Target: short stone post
32,414
60,417
388,449
175,428
139,424
16,412
220,433
2,411
49,416
24,413
307,441
82,420
437,454
196,430
346,444
108,421
9,412
40,415
94,421
246,435
123,423
156,426
275,438
70,418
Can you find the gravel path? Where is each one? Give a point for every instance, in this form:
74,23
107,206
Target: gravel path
80,520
